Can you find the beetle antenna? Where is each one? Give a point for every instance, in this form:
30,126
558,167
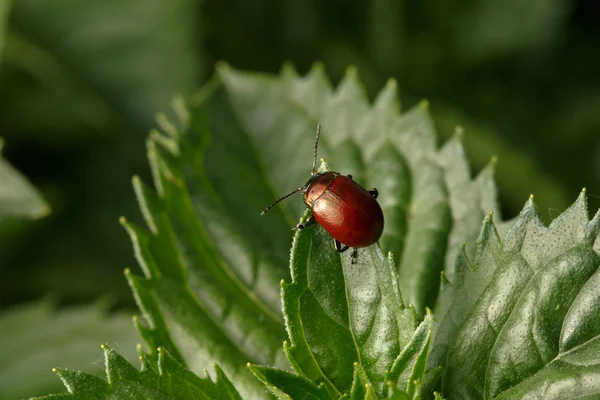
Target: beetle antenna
316,145
283,198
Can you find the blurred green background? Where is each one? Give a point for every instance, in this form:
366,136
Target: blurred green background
81,82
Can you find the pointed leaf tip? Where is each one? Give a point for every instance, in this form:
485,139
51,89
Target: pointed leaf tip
287,68
222,66
318,66
443,278
351,72
166,125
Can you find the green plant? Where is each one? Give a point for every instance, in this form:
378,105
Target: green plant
520,316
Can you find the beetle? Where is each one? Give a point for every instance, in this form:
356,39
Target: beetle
346,210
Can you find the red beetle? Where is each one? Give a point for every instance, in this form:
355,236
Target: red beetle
347,211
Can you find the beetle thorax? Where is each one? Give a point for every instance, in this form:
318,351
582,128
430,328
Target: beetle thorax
317,185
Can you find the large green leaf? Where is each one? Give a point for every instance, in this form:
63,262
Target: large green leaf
376,144
358,307
196,219
524,311
212,265
38,337
339,313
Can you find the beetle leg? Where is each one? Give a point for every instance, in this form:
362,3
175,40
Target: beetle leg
311,220
374,192
353,256
338,246
349,176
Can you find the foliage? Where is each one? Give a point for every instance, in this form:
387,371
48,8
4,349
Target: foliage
81,81
519,318
515,315
80,85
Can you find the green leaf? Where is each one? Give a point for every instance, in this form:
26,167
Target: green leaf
357,312
376,144
206,296
339,313
232,133
18,198
525,311
133,54
69,338
211,264
160,377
